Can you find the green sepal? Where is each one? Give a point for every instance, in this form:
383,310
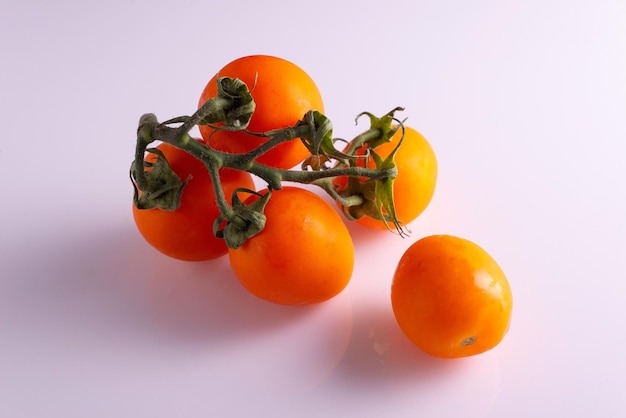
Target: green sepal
321,138
384,125
248,220
378,196
320,142
235,117
384,198
163,189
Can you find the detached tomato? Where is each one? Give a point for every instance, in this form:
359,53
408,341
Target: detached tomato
283,93
415,183
304,254
450,297
187,232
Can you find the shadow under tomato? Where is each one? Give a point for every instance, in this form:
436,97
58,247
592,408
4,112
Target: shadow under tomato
379,352
382,363
112,280
206,300
107,293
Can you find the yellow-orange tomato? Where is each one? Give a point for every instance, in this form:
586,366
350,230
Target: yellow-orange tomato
304,254
450,297
282,92
187,232
414,186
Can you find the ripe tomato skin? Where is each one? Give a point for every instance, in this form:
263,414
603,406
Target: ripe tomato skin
283,93
187,233
415,183
304,255
450,297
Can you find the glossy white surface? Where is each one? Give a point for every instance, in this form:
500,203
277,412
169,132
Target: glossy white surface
524,104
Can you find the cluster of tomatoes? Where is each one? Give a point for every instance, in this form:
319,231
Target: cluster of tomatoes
448,295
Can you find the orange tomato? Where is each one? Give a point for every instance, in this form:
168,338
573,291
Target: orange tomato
414,185
283,93
450,297
187,232
304,254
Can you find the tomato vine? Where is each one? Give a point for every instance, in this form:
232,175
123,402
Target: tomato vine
371,189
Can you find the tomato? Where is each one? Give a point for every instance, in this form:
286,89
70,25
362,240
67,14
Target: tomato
283,93
415,182
304,254
187,232
450,297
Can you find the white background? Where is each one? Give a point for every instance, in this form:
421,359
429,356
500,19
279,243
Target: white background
524,103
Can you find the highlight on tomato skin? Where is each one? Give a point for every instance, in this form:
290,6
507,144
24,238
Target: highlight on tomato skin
450,297
187,233
282,91
303,256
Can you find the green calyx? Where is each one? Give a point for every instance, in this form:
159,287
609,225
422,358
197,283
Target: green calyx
378,199
162,189
245,222
233,106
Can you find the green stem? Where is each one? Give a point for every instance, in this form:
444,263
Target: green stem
360,139
275,138
346,201
220,198
144,138
273,176
214,107
311,176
